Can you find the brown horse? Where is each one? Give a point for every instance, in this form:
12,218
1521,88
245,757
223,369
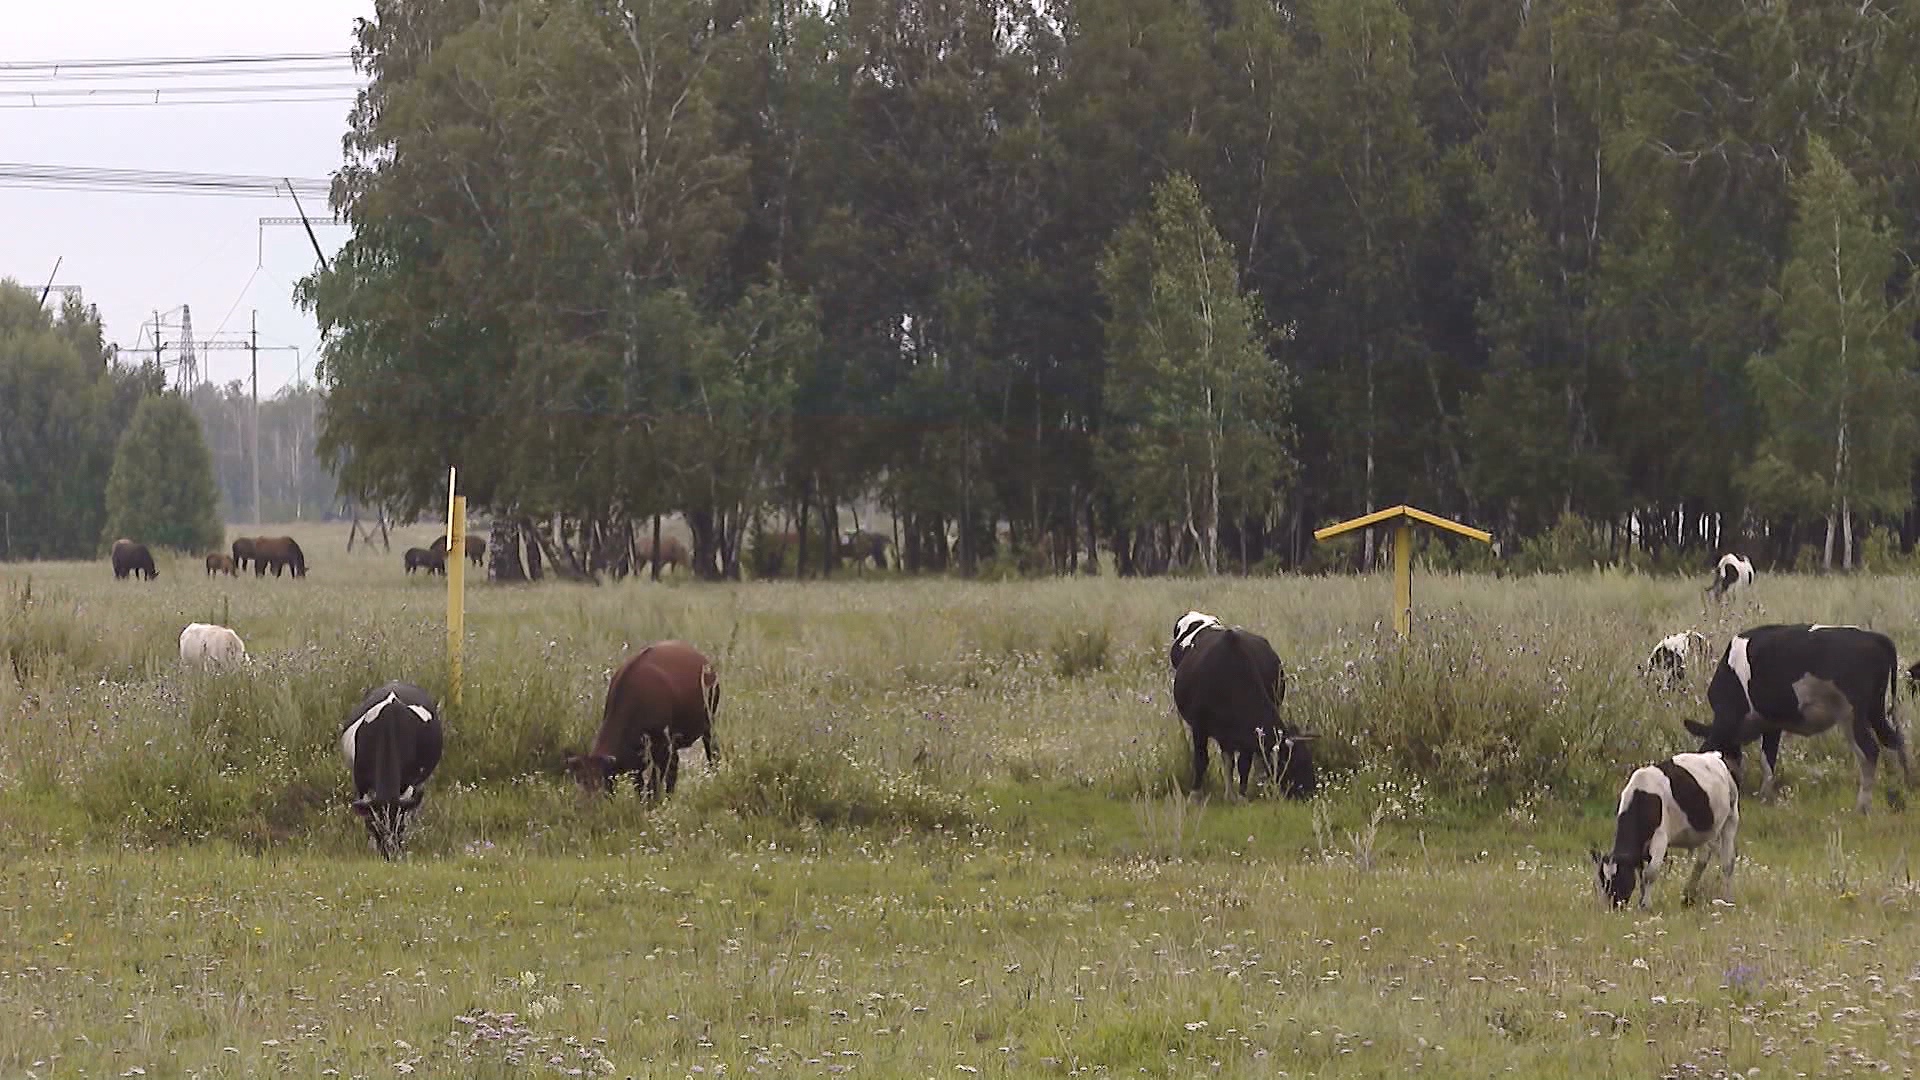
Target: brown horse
218,564
661,701
673,553
476,547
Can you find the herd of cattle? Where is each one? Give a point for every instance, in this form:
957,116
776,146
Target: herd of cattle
1228,686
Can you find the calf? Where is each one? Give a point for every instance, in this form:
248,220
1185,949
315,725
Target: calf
210,645
218,563
1805,679
1732,573
392,744
1668,660
1227,686
1686,801
661,701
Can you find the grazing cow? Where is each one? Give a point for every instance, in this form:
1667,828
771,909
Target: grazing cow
476,548
1668,659
1805,679
276,552
210,645
858,547
392,744
661,701
433,562
242,552
1731,574
1227,686
673,553
131,558
1689,801
218,563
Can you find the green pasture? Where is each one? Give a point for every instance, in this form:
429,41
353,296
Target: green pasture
949,836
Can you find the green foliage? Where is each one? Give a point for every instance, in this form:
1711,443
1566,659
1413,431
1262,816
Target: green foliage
1195,403
161,490
1838,392
63,406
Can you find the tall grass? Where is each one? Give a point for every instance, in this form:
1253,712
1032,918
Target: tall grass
888,702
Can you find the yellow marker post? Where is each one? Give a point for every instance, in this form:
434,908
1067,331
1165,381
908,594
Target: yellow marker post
1403,518
456,582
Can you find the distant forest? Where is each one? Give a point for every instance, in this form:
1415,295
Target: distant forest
1177,279
294,484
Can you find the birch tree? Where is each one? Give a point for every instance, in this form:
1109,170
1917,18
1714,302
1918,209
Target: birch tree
1194,401
1837,393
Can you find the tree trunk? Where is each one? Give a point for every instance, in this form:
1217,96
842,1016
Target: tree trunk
503,551
655,560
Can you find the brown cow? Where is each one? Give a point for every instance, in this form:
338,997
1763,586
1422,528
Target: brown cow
218,563
661,701
476,548
277,552
131,558
673,553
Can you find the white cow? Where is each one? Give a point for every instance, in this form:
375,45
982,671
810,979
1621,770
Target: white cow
1730,575
1668,660
1686,801
211,645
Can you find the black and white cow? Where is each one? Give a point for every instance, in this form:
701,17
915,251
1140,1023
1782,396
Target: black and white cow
1689,801
1227,686
1668,660
1804,679
1730,575
392,744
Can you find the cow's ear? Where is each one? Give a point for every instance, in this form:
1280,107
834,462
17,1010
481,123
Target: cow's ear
1696,727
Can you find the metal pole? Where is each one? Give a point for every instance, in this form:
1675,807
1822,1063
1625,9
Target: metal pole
253,348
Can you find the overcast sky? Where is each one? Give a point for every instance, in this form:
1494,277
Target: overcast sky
134,253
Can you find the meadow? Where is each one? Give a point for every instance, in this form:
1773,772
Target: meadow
949,835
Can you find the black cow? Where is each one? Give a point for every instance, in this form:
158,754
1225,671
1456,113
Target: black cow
1227,686
1805,679
131,558
392,744
432,562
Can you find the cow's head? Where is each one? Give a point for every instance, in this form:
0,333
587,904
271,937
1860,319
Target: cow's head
1615,877
387,819
1288,757
592,772
1185,629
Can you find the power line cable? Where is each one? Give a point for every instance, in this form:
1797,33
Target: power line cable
210,72
19,174
178,102
121,62
101,91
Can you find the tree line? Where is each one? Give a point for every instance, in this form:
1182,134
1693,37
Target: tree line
1176,279
92,449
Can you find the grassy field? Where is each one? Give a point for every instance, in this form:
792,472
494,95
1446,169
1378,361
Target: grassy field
948,837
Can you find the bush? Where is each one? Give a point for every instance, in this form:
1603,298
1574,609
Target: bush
161,490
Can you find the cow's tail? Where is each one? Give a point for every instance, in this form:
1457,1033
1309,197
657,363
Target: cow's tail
1889,732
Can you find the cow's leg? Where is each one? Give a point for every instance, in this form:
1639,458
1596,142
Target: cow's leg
706,744
1700,860
1724,849
673,767
1769,760
1245,767
1199,762
1867,749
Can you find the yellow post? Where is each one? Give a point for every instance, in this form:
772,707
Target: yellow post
1403,578
456,587
1402,518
